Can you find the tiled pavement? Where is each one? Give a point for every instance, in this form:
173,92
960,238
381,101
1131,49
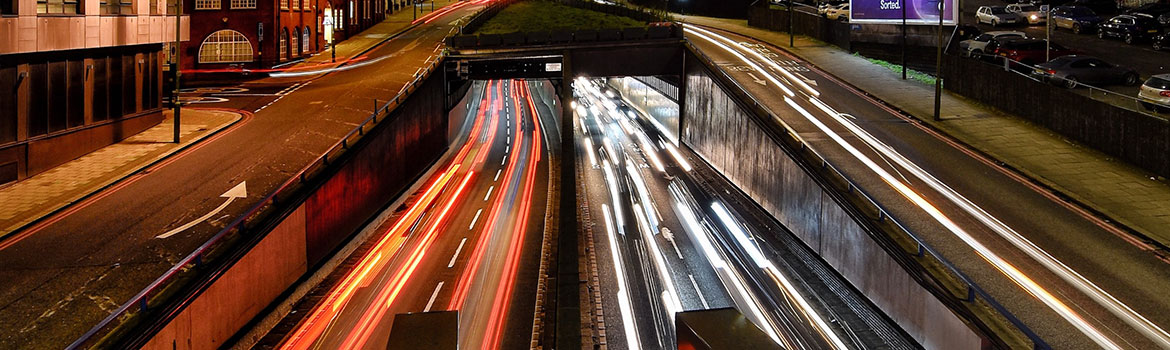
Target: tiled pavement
1122,192
26,201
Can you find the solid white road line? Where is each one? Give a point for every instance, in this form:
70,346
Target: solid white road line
457,250
699,292
433,295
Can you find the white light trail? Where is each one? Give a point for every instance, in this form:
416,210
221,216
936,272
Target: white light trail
589,149
677,156
782,87
790,76
623,293
611,182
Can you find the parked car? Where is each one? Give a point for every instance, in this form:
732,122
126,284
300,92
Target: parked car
1032,14
838,13
1078,19
996,15
978,45
1031,51
1162,42
1150,10
1130,28
1155,93
1073,70
1101,7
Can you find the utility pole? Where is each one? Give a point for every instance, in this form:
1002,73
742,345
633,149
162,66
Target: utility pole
175,65
791,35
1047,34
938,64
902,4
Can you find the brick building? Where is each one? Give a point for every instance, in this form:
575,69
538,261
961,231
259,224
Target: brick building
267,33
77,75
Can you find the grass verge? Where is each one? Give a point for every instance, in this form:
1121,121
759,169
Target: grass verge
543,15
897,68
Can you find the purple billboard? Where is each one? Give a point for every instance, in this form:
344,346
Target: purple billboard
890,11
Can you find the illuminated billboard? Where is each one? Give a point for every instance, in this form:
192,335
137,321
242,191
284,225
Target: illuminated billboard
890,11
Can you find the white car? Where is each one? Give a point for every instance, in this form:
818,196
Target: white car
1033,14
838,13
978,45
996,15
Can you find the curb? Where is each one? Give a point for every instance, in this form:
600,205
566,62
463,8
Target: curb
120,179
1046,188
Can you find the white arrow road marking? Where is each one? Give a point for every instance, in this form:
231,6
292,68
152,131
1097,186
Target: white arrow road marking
757,79
240,191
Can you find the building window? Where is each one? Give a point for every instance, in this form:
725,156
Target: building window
208,4
284,4
116,7
7,7
225,46
243,4
66,7
305,40
283,44
294,47
296,4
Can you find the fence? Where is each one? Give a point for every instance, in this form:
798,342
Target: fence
803,23
1131,135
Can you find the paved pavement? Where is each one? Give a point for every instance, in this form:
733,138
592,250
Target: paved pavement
361,43
25,202
1119,191
106,250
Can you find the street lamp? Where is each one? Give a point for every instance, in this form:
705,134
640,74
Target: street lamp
902,4
938,64
175,65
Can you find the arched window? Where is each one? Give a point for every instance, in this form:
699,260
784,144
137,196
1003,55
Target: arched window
295,46
225,46
305,40
283,44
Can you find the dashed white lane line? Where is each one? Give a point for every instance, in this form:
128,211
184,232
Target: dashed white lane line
505,160
489,194
507,149
457,250
497,175
476,218
433,295
699,292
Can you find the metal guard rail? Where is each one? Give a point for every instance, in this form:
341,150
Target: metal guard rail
141,302
973,289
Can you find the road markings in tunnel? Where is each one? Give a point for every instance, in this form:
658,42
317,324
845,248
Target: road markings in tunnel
697,291
457,250
476,218
489,194
433,295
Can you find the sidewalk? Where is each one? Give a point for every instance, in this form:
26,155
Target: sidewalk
357,45
1124,193
40,196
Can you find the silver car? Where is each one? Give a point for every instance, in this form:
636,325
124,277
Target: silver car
978,46
996,15
1155,93
1032,14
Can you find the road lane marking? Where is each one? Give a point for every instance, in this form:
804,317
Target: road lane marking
497,175
699,292
433,295
485,197
457,250
476,218
238,191
507,149
505,160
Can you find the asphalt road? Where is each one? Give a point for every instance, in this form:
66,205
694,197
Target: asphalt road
663,246
994,226
63,277
470,243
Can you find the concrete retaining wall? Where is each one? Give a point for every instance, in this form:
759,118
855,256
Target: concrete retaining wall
719,130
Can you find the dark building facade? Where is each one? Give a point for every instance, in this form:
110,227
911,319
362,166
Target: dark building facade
76,76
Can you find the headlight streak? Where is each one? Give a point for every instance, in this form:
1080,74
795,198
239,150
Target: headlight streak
623,294
677,156
1119,309
671,301
781,280
991,257
699,234
611,182
782,87
589,149
791,77
643,196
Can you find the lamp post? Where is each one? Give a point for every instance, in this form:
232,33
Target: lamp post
902,4
791,35
938,64
175,65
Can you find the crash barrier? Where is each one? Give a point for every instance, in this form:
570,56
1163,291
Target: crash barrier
565,37
211,293
933,301
1123,129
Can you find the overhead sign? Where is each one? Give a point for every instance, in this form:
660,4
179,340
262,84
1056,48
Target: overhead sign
922,12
